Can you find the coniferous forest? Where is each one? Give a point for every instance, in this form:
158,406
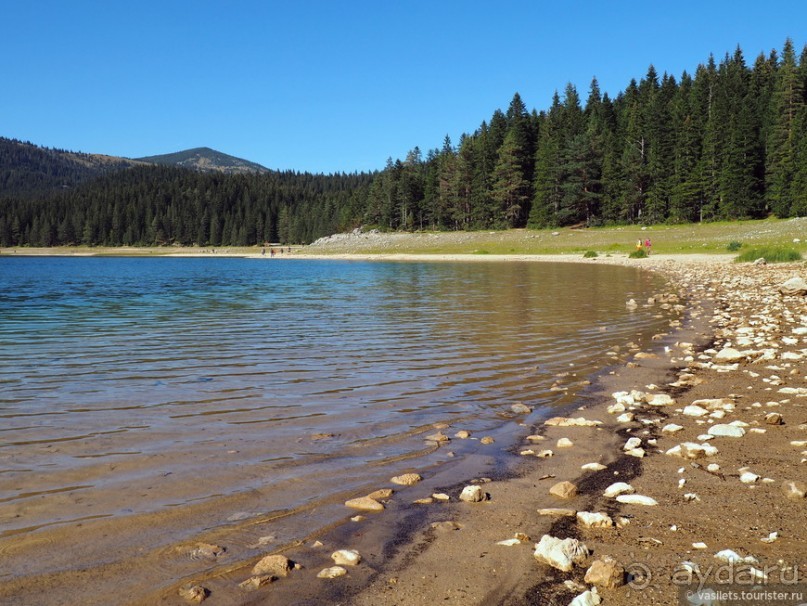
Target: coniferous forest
725,143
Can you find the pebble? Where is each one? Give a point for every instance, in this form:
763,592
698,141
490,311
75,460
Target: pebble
446,526
365,504
558,512
587,598
632,443
487,440
794,489
441,496
564,443
407,479
726,431
520,408
626,417
207,551
438,437
589,519
567,422
563,490
332,572
748,477
636,499
509,542
671,428
618,488
545,454
195,594
462,434
562,554
774,418
278,565
346,557
593,467
605,572
256,582
473,494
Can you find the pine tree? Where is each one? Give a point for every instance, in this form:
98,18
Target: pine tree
786,105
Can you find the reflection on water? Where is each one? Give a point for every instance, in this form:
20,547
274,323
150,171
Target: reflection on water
128,380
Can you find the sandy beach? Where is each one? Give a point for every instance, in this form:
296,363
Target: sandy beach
728,381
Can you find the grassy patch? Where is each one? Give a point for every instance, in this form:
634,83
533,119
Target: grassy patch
734,246
590,254
638,254
772,254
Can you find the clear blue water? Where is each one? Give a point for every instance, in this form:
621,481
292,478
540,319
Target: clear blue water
254,385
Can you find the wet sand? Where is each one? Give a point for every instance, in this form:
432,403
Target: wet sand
407,561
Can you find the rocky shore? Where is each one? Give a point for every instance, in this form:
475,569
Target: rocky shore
683,468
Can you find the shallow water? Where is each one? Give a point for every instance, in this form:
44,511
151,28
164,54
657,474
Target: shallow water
160,399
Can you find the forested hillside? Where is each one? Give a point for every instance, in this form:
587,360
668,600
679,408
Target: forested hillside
728,142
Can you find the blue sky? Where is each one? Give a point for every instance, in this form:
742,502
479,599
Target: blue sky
326,86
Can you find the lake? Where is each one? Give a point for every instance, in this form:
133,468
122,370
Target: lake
150,402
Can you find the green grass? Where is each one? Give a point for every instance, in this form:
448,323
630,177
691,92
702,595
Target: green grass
771,254
734,246
638,254
691,238
590,254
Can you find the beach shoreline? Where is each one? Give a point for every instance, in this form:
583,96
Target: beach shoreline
406,561
454,557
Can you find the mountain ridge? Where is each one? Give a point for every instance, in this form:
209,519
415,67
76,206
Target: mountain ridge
205,159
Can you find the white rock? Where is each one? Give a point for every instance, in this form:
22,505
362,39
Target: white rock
659,399
618,488
770,538
587,598
564,443
794,286
472,494
567,422
699,546
691,450
594,520
726,431
636,452
626,417
332,572
728,556
713,467
593,467
728,355
748,477
346,557
562,554
636,499
632,443
509,542
692,497
695,411
671,428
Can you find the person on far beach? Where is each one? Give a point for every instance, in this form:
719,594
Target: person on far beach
639,244
647,246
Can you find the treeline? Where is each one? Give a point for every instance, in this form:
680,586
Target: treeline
729,142
156,205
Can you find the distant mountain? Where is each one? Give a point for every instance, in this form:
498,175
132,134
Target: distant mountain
26,168
206,160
